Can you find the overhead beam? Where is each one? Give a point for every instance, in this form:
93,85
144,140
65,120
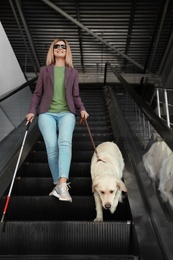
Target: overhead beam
56,8
132,15
165,7
80,36
28,34
165,54
23,37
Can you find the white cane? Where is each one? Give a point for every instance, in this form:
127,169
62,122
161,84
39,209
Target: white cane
14,175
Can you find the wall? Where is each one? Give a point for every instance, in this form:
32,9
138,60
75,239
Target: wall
11,75
14,108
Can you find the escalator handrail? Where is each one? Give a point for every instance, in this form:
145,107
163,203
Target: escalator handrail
27,83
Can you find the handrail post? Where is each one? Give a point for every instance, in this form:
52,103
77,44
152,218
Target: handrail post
158,103
166,107
105,73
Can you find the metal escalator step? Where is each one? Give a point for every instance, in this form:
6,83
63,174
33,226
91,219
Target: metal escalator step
93,129
37,169
82,137
77,145
65,237
94,123
92,96
101,137
51,208
40,145
90,102
98,117
43,186
82,156
97,120
83,145
70,257
100,111
78,156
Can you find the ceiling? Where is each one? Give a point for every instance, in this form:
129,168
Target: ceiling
133,35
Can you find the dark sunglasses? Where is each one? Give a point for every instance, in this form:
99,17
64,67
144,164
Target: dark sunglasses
57,46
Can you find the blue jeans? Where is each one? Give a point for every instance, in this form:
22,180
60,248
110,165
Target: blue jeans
57,131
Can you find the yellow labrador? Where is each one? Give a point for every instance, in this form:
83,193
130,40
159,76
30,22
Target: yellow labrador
106,172
154,158
166,180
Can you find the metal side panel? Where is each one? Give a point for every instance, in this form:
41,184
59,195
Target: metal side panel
9,150
16,106
6,125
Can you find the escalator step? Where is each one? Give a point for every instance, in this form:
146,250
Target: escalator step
70,257
101,137
43,186
95,129
65,237
36,169
77,145
50,208
95,122
81,156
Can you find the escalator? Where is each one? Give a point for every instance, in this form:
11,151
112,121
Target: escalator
41,227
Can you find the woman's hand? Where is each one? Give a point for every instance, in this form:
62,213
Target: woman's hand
84,114
29,118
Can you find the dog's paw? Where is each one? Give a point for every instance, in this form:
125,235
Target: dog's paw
98,219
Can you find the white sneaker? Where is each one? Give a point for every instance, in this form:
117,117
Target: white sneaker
61,192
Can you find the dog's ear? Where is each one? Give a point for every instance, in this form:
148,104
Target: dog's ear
169,185
121,186
94,185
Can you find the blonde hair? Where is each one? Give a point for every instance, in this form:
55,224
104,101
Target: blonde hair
51,58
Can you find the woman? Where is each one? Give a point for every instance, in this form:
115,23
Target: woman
56,99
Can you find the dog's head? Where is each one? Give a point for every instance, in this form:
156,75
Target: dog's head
110,191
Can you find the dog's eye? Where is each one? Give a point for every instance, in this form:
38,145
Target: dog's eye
102,192
111,191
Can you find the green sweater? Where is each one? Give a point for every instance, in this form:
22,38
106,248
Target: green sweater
59,102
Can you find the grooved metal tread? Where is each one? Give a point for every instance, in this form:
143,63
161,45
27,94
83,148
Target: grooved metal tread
70,257
65,237
81,156
106,136
51,208
33,186
95,129
77,145
78,156
41,169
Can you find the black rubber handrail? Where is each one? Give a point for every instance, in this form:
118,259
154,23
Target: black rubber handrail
18,89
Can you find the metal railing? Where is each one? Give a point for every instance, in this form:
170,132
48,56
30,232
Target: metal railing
164,106
142,119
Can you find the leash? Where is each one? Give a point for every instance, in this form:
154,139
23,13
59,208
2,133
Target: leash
83,121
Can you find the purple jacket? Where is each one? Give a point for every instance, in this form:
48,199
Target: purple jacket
43,94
